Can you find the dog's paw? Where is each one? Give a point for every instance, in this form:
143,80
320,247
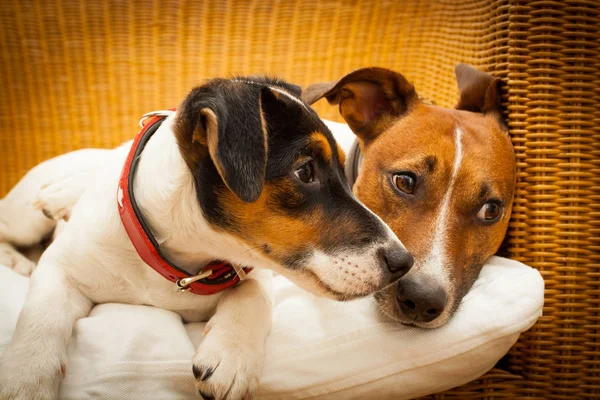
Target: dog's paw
226,366
55,201
19,384
13,259
14,390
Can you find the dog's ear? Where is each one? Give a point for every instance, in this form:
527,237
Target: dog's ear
237,144
229,122
479,91
368,98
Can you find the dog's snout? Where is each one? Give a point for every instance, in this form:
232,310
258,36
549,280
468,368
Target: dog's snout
420,302
397,260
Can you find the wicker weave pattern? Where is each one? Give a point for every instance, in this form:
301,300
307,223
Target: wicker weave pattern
552,61
79,74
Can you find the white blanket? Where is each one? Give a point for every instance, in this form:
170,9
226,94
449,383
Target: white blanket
318,348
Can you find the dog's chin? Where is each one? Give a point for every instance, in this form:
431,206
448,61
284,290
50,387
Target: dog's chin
310,282
398,317
302,275
436,323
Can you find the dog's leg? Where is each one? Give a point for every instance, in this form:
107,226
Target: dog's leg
52,186
229,361
56,199
13,259
21,224
34,362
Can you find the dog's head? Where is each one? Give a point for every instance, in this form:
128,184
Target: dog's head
443,180
268,172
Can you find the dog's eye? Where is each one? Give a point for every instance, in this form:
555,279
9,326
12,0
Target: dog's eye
405,182
490,211
306,172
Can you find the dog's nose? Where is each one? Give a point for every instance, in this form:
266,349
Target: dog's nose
420,302
397,260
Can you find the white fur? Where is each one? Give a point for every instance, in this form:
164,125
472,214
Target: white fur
13,259
21,222
438,250
294,99
349,273
436,261
17,206
354,273
57,199
93,261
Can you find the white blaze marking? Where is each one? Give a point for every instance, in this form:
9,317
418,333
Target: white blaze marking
437,257
283,92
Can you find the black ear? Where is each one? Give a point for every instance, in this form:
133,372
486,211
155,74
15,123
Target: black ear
479,91
288,87
228,120
236,136
280,109
367,98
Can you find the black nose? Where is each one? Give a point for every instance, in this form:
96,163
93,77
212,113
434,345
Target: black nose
420,301
398,261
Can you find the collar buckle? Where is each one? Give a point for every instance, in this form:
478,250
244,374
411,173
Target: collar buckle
157,113
183,283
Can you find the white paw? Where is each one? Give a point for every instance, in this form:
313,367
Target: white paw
227,366
18,382
55,201
13,259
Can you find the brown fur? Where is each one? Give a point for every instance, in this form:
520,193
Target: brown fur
321,145
398,148
264,221
406,135
340,153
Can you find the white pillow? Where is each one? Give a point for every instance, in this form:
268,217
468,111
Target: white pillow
342,133
318,348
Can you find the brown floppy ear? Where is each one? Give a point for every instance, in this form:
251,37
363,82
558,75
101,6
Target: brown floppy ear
369,98
479,91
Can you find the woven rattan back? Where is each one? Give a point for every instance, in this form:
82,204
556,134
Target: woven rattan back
79,74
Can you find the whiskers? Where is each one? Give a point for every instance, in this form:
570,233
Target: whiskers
247,251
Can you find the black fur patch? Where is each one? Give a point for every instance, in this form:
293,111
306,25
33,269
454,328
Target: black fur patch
430,162
237,105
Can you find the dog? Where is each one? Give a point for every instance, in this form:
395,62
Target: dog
442,179
53,186
244,172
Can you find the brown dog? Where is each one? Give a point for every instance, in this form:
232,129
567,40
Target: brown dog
443,180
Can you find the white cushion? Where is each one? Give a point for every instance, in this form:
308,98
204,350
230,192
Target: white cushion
318,348
342,133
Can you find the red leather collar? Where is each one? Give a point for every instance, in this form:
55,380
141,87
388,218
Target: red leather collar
214,278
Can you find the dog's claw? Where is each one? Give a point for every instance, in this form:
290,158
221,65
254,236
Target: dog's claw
205,396
196,371
224,370
202,373
40,205
47,214
207,374
55,200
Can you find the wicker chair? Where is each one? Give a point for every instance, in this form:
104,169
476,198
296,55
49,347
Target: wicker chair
79,74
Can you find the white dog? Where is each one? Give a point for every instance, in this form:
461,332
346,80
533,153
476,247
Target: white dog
244,172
